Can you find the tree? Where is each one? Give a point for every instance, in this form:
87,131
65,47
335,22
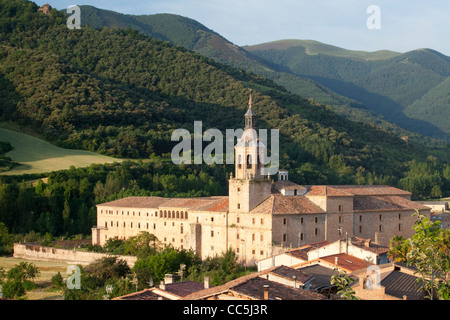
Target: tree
342,283
18,279
428,251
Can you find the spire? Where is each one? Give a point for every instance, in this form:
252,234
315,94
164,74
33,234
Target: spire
250,115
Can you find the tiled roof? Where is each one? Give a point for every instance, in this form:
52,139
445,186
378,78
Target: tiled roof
146,294
251,285
346,262
368,245
254,288
399,284
278,204
286,184
184,288
177,289
302,252
365,203
218,204
354,190
289,273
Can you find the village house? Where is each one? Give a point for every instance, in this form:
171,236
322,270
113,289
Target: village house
364,249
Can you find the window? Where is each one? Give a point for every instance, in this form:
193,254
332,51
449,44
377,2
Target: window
261,238
237,220
316,219
302,236
301,220
399,216
181,229
360,218
284,221
185,215
261,253
399,227
340,219
262,221
253,220
249,161
212,219
212,233
360,229
379,217
238,205
284,237
239,163
316,231
380,228
340,208
295,192
253,237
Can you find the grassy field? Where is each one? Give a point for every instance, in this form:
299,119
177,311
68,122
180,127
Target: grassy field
38,156
47,270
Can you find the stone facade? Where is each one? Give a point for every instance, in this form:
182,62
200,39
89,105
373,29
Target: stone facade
261,217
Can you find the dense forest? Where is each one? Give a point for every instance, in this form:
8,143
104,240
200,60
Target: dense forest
120,93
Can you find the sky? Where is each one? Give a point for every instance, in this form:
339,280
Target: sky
368,25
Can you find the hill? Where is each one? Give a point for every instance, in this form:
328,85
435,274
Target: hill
346,99
37,156
121,94
397,86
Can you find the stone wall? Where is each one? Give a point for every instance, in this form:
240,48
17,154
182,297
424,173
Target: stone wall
40,253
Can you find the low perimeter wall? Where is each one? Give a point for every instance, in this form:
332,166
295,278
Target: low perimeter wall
40,253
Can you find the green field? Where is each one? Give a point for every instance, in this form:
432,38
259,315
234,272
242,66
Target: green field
38,156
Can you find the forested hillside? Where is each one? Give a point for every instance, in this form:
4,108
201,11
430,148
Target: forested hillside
192,35
122,94
407,89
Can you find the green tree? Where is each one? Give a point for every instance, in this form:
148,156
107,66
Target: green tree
342,282
428,251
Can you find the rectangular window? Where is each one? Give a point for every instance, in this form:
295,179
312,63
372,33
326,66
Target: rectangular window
284,221
212,233
284,237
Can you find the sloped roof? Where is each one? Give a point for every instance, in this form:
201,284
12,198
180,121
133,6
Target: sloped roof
368,245
384,202
289,273
252,286
218,204
355,190
399,284
278,204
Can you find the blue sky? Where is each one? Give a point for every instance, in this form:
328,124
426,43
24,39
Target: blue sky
404,25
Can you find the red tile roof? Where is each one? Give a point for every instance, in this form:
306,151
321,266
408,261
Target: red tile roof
355,190
385,202
217,204
278,204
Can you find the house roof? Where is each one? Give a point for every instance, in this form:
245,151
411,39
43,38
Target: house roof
368,245
354,190
252,286
302,252
276,203
290,273
177,289
399,284
218,204
385,202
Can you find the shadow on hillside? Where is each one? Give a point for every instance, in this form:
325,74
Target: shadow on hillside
379,104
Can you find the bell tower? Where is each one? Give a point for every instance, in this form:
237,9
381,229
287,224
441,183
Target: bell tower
248,187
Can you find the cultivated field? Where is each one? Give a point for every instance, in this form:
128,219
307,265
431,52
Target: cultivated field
38,156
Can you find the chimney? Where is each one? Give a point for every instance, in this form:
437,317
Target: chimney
162,285
367,243
206,282
266,292
168,278
336,259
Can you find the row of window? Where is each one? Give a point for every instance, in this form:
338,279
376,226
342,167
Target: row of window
170,214
138,225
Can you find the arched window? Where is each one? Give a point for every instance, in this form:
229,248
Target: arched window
239,161
249,161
